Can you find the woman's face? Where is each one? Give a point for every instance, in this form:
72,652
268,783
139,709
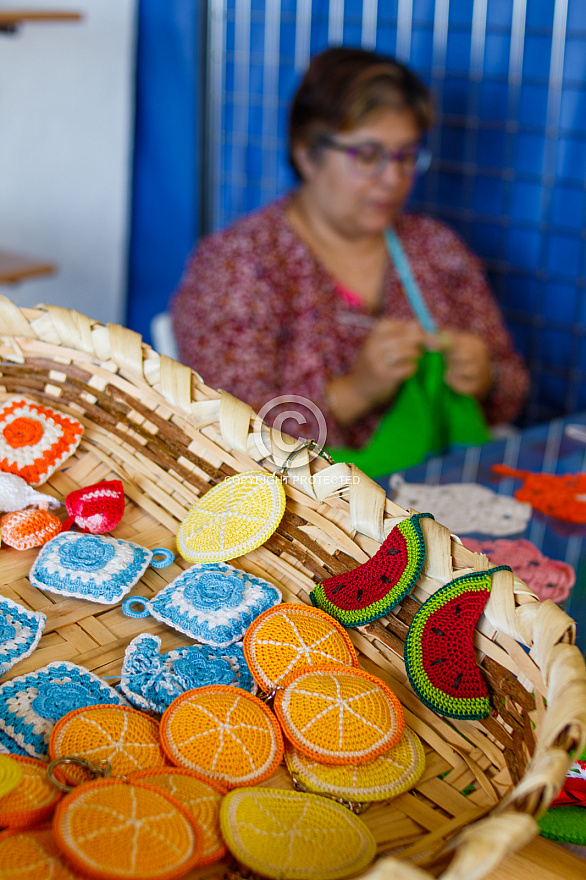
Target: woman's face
353,203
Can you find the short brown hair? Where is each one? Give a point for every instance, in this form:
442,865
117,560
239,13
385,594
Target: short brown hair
342,86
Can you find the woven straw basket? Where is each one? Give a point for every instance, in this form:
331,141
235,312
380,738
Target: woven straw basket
154,424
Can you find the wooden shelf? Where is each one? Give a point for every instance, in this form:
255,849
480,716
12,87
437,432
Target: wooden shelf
10,20
15,268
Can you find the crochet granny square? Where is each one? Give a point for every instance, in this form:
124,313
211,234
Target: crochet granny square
35,440
9,746
94,567
30,705
213,603
20,631
151,680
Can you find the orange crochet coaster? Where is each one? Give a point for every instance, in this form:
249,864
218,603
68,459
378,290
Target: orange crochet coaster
236,516
291,836
32,854
24,529
35,440
125,737
288,638
385,777
201,798
339,715
33,800
114,831
223,733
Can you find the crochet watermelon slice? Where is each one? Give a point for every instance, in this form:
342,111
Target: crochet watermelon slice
439,650
372,589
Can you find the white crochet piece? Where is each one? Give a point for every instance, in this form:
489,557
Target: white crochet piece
16,494
463,507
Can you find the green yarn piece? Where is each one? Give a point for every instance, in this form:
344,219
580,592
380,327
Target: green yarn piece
564,823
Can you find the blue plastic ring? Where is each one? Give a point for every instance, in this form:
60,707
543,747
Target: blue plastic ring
167,559
135,600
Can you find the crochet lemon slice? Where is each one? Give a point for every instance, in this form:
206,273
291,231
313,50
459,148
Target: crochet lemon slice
385,777
10,774
233,518
293,836
289,638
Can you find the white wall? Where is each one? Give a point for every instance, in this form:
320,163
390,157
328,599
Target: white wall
66,128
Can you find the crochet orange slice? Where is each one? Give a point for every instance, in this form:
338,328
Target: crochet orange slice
223,733
287,835
32,854
339,715
288,638
33,800
385,777
201,798
125,737
115,831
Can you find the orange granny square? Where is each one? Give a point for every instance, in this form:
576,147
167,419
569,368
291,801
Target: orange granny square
35,440
339,715
288,638
224,734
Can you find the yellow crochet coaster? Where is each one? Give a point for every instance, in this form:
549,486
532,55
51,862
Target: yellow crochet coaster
115,831
32,854
125,737
233,518
224,734
289,638
200,798
10,775
291,836
339,715
33,800
385,777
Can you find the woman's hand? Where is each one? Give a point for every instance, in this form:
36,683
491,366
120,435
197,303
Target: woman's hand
389,355
468,368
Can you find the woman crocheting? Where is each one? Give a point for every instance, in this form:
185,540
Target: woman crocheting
383,319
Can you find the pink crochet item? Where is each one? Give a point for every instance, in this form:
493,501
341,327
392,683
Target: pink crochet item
97,509
548,578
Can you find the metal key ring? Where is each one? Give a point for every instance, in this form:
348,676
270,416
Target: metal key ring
100,770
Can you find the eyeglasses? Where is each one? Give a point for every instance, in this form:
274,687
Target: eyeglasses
370,158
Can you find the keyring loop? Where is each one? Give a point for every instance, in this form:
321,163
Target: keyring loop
135,600
310,445
102,769
168,557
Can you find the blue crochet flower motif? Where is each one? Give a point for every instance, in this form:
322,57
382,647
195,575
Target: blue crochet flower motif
152,680
20,631
30,705
88,553
213,603
95,567
56,700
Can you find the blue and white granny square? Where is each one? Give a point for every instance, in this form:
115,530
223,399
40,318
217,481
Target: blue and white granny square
213,603
151,680
20,631
31,705
95,567
8,746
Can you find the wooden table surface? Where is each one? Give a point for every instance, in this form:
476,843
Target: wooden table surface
15,268
541,860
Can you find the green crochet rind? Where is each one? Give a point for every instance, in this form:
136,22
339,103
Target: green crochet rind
410,529
564,823
476,707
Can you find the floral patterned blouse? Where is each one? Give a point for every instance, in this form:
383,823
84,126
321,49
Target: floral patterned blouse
258,315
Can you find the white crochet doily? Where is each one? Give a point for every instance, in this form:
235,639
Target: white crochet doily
463,507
